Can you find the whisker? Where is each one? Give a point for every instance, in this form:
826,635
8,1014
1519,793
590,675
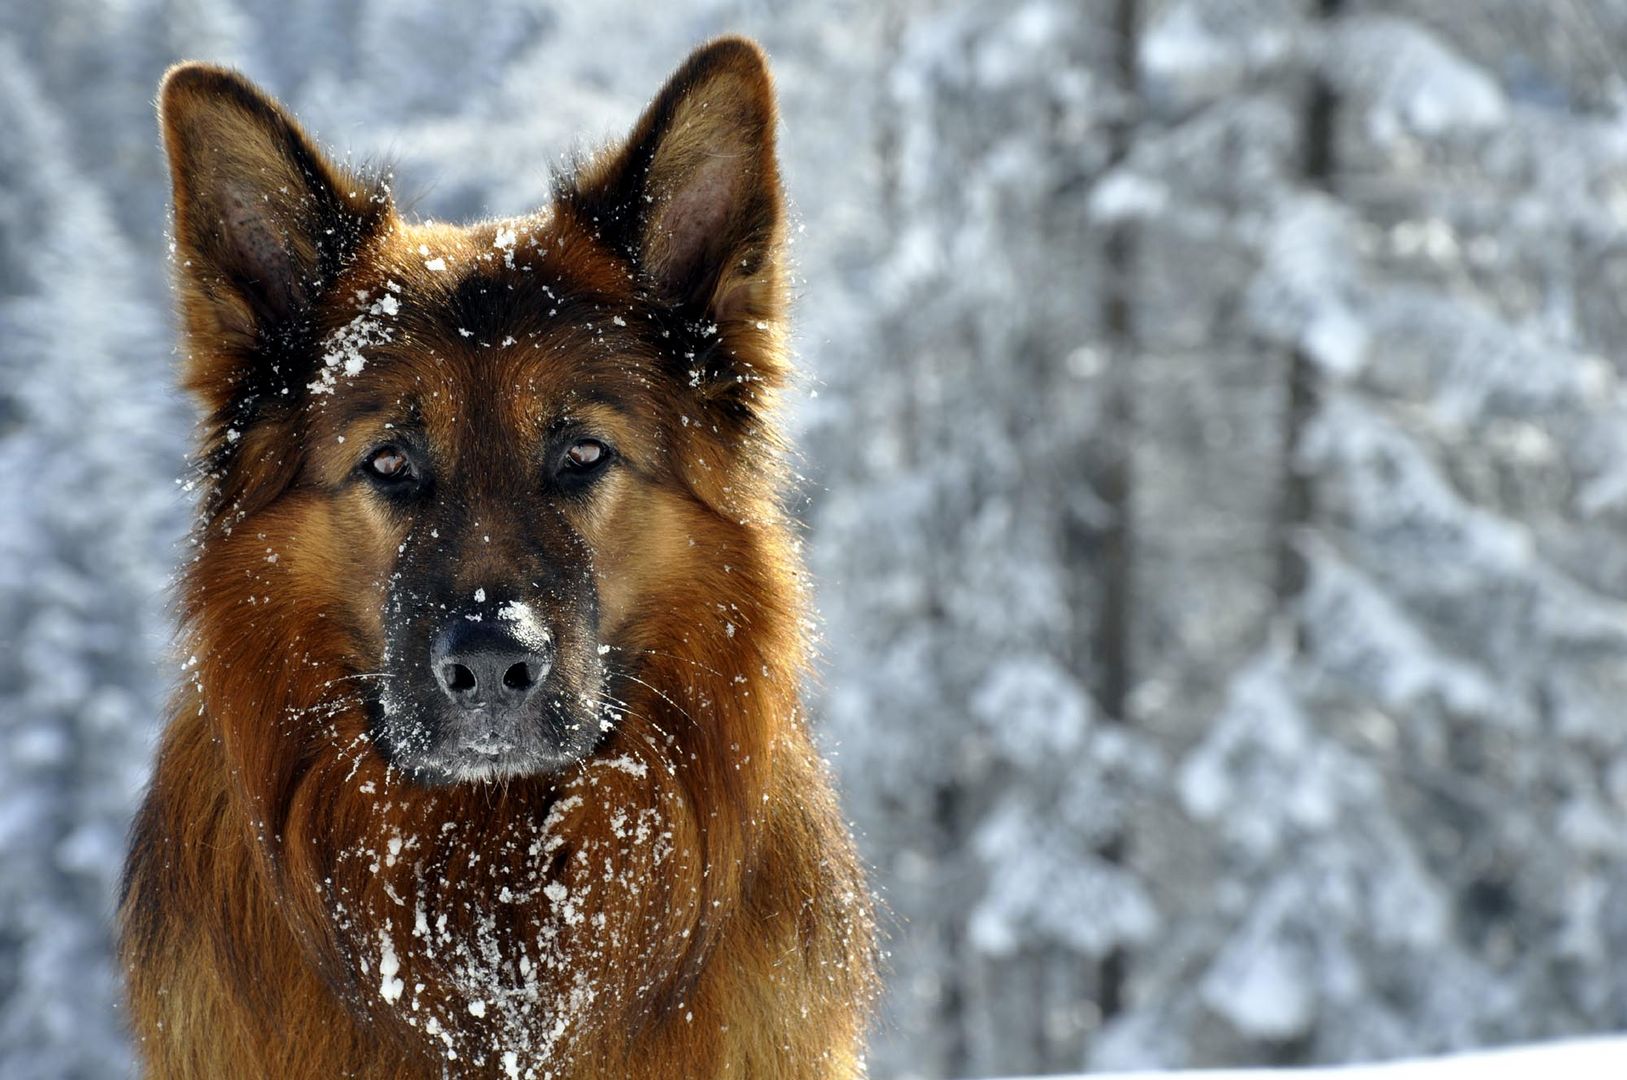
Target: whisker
626,710
663,696
670,656
361,675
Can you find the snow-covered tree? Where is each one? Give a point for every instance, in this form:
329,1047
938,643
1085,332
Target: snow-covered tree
88,435
1408,784
960,547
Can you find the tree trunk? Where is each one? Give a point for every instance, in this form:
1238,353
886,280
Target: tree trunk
1298,505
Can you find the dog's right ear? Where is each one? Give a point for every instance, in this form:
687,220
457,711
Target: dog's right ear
263,220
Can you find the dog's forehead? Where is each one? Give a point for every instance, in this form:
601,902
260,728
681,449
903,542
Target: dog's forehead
517,322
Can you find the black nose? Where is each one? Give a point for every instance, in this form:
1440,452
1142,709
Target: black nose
481,666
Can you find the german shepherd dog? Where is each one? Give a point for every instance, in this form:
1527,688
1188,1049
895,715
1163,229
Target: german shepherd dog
489,760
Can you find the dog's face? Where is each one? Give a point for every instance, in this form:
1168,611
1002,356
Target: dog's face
492,461
491,454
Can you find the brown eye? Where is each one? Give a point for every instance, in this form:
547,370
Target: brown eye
584,462
389,463
585,454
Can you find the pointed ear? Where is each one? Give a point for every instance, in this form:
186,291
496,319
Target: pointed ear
263,221
693,197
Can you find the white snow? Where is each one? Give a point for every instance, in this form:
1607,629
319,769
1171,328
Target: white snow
1417,83
343,348
1587,1059
390,987
626,764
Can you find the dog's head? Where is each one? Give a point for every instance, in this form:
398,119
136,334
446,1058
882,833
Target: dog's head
489,458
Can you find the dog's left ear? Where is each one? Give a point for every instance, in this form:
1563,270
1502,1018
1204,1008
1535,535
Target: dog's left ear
264,222
693,197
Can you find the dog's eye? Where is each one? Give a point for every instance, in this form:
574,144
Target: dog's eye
389,463
585,454
583,462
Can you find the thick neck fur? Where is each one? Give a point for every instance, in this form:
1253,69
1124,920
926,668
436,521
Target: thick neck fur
536,917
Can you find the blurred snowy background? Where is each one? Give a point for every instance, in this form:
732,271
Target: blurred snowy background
1215,439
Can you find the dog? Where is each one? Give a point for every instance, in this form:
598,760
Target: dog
488,759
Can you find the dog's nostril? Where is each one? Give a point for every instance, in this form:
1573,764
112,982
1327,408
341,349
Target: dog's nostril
517,677
458,677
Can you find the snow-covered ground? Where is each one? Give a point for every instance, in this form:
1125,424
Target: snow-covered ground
1588,1059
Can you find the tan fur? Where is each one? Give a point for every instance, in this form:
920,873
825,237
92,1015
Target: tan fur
688,901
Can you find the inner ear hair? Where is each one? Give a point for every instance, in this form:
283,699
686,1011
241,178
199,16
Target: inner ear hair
704,188
251,233
690,219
